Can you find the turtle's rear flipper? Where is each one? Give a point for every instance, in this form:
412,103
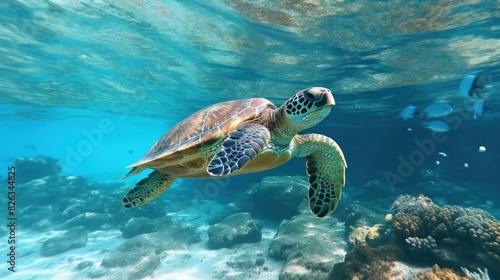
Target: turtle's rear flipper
147,189
240,147
136,170
326,169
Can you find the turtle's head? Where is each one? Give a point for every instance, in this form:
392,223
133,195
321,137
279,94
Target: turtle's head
308,107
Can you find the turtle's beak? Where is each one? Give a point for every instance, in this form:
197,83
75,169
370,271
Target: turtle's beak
327,98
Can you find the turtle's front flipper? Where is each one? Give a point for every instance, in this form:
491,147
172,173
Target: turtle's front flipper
326,167
240,146
147,189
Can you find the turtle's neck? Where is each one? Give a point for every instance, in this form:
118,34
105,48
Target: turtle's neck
281,129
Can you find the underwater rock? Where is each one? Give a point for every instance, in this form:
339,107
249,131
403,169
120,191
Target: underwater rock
239,264
46,190
228,210
365,262
28,169
75,210
308,245
84,264
235,229
275,197
139,225
171,235
39,192
74,238
78,203
141,254
306,268
140,263
92,200
39,217
260,261
90,221
134,249
177,202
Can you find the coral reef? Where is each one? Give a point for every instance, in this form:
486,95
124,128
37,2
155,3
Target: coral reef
450,234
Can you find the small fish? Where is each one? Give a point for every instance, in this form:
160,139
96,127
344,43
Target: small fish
408,112
478,108
437,126
437,110
442,154
471,85
356,104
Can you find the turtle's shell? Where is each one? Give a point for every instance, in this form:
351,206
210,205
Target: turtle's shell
186,149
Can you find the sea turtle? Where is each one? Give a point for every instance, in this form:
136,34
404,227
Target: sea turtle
245,136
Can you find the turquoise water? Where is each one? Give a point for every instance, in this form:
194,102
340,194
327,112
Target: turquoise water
93,84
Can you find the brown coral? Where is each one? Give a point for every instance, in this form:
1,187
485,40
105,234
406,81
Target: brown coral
489,240
408,226
441,274
440,232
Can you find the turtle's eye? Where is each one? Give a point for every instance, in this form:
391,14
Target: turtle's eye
311,96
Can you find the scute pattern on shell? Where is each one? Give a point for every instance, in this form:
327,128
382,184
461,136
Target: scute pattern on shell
207,126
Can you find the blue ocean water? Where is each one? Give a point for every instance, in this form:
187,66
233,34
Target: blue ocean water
94,84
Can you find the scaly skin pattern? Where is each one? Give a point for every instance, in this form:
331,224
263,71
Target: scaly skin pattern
147,189
326,167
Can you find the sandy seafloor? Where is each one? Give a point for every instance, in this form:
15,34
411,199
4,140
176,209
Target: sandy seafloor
196,262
